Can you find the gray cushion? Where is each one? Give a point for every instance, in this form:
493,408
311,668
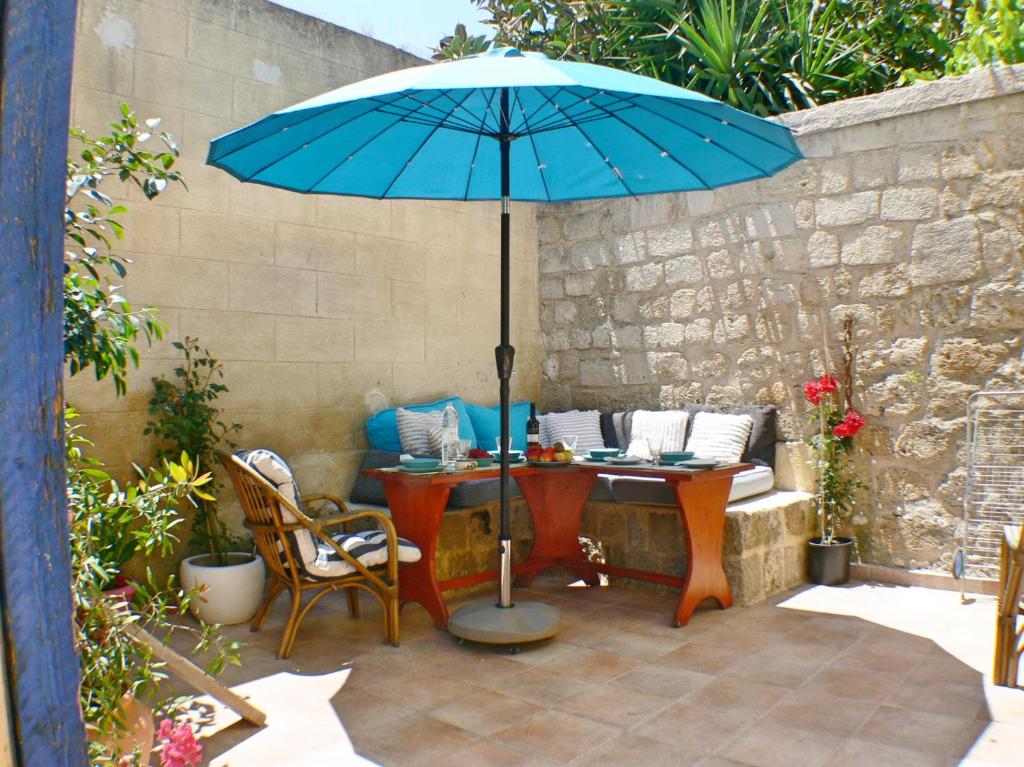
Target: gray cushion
656,492
477,492
368,489
761,443
602,490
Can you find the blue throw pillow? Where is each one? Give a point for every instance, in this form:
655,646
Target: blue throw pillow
382,427
487,424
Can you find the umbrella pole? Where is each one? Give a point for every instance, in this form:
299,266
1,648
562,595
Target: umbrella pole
486,621
504,356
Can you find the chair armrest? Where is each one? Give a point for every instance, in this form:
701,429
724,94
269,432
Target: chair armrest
331,499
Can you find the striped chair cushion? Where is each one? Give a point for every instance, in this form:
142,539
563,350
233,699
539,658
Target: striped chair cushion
414,430
370,548
719,436
584,424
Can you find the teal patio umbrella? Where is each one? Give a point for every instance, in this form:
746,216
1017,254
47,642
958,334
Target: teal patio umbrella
505,125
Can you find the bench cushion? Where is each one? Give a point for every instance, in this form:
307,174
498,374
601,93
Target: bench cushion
382,427
761,442
368,489
656,492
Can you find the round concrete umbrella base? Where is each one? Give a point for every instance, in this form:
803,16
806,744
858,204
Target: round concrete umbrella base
486,622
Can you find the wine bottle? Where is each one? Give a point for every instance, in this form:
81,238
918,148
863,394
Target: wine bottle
532,427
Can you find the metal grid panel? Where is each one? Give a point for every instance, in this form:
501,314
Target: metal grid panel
994,495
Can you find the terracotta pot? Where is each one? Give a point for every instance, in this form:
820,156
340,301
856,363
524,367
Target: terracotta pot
139,735
231,593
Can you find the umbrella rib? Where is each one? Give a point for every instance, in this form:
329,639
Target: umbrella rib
708,139
300,122
404,113
615,171
729,123
476,149
661,148
430,135
353,153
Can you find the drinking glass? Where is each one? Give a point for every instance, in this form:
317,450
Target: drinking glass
654,448
464,445
570,441
508,443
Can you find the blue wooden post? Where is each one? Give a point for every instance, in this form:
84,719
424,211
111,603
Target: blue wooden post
36,47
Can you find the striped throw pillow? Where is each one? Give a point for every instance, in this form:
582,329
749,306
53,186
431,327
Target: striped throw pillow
584,424
719,436
414,430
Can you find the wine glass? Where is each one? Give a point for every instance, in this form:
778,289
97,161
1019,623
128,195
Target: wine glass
570,441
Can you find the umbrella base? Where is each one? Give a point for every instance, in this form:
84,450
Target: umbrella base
487,623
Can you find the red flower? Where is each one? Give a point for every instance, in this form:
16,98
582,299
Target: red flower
828,383
813,391
850,425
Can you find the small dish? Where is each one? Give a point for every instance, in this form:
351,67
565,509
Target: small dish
599,454
405,468
484,462
675,456
697,463
514,456
422,464
623,460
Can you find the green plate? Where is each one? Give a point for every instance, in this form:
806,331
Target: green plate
420,469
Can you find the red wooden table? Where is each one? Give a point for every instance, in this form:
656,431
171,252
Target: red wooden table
555,497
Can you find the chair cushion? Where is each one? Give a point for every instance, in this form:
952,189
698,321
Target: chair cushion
382,427
369,489
584,424
370,548
487,424
477,492
657,492
719,436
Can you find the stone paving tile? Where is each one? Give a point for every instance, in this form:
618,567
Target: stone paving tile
773,745
854,677
557,736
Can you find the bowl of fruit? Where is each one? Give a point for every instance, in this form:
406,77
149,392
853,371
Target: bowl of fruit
482,457
555,455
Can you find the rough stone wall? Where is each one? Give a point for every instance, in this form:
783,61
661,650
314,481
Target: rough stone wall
906,215
319,307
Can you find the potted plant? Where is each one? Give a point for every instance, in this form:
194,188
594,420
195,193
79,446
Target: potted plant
230,576
109,521
837,484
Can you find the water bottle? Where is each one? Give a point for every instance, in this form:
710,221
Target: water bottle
449,436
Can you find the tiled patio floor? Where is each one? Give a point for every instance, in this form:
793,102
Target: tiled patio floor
864,675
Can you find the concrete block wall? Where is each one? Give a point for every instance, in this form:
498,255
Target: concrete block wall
908,215
321,308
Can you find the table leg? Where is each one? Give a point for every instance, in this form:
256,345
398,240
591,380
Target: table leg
556,498
702,509
417,511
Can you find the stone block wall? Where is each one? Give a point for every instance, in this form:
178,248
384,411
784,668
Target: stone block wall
321,308
908,215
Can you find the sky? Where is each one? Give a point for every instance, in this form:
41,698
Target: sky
415,25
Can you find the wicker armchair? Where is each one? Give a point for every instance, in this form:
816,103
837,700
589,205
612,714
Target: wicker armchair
1010,637
320,554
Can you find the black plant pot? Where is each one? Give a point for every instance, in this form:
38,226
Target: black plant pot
830,565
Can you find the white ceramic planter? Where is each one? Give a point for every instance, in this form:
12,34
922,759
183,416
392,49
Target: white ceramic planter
232,593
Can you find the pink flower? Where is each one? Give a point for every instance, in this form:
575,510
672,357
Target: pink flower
178,745
828,383
813,392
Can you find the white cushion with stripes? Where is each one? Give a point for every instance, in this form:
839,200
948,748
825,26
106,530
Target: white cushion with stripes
665,427
370,548
584,424
415,429
719,436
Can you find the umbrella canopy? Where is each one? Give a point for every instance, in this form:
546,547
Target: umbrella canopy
511,126
431,133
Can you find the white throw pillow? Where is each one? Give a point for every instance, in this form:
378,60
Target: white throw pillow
666,427
719,436
584,424
414,430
